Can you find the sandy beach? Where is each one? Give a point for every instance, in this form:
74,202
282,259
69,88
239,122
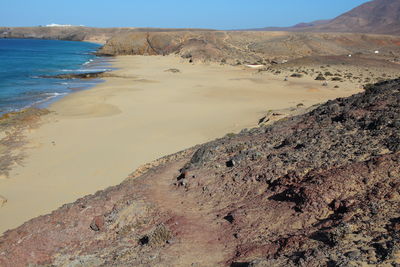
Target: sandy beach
95,138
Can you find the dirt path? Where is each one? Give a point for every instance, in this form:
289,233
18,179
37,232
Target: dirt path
199,236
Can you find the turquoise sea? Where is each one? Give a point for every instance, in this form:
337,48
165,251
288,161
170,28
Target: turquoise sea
24,61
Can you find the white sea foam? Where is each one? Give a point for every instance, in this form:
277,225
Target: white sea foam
54,94
88,62
48,97
39,103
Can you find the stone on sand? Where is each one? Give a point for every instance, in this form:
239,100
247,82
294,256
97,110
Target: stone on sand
3,201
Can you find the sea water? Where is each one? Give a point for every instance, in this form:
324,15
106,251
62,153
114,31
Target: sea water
24,62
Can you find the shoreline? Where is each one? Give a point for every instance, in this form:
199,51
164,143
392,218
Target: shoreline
88,84
95,138
31,86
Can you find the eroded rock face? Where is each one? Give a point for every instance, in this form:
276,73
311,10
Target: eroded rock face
320,189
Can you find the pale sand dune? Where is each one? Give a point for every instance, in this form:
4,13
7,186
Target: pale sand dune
98,136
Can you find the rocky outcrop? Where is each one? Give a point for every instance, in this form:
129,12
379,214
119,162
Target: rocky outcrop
319,189
86,75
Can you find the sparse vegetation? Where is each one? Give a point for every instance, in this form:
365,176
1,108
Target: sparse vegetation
296,75
158,237
230,135
173,70
320,77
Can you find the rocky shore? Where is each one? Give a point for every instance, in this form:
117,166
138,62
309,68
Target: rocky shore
319,189
84,76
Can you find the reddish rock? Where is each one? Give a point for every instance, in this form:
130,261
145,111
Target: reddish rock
97,223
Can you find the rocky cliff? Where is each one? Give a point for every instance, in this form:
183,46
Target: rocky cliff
320,189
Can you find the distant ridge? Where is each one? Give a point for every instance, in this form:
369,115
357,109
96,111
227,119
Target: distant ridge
311,24
77,33
378,16
299,26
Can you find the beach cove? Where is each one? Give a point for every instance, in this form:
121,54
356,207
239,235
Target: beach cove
151,106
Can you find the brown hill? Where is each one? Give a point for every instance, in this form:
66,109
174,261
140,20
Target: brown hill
320,189
378,16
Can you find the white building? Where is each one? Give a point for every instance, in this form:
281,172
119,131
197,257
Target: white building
62,25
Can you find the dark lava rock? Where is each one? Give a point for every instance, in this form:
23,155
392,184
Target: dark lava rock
296,75
320,77
263,119
230,163
87,75
229,218
203,154
97,223
144,240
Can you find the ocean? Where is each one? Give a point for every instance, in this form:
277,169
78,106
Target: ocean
23,62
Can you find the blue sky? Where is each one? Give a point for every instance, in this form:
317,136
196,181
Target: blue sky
216,14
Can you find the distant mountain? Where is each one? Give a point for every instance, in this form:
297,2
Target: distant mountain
311,24
378,16
300,26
